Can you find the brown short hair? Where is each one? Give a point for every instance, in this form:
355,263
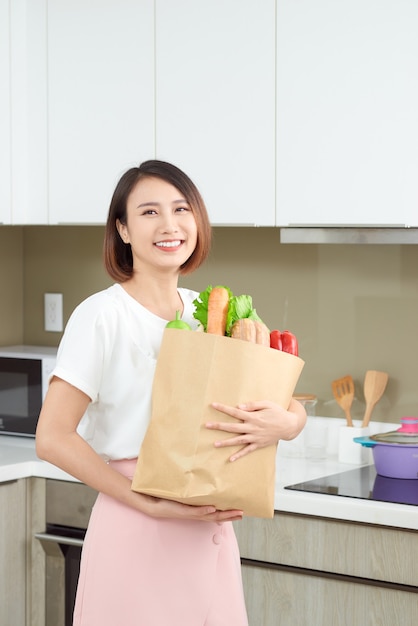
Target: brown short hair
116,254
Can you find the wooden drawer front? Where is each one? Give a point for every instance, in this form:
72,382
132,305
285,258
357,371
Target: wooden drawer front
332,546
69,503
275,597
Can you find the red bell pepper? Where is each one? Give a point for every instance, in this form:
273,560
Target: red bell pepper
276,339
289,343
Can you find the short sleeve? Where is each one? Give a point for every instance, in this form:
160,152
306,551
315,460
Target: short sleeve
85,346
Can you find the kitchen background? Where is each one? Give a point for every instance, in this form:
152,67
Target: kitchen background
297,120
302,114
353,307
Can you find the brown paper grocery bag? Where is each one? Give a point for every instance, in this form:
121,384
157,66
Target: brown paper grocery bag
178,460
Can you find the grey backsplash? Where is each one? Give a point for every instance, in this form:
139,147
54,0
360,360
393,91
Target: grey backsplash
353,307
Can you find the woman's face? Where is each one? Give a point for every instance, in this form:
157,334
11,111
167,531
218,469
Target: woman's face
160,226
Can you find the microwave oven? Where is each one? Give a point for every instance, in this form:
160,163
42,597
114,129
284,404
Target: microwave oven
24,378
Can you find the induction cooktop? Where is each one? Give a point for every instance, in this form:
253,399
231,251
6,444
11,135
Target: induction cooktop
363,483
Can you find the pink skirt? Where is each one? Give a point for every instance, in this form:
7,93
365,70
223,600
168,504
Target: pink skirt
137,570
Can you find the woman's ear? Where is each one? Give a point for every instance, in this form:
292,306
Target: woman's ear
123,231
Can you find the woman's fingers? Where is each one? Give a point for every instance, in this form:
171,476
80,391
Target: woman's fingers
162,508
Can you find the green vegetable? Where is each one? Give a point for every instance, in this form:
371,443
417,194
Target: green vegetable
201,307
178,323
239,307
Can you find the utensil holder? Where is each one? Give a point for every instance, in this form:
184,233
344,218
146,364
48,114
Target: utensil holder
348,450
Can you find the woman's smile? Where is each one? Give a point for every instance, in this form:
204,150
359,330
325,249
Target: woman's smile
170,245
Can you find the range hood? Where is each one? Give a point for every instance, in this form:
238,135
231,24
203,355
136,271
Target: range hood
349,234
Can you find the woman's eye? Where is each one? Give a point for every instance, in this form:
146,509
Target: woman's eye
149,212
180,209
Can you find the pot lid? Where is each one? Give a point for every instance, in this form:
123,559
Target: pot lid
305,397
406,434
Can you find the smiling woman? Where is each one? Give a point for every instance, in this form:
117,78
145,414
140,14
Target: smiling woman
139,549
117,255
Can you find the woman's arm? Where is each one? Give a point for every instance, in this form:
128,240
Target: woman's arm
259,424
58,442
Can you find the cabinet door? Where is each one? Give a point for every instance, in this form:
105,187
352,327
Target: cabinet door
13,553
274,596
28,111
5,121
100,101
347,122
215,102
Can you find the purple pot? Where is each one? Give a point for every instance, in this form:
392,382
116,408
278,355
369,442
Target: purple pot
395,453
396,460
393,460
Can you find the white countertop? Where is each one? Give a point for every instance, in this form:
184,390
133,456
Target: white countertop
18,460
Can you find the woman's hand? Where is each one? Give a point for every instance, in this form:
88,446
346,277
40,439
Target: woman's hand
161,508
259,424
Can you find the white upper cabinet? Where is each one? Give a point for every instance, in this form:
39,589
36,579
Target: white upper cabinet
215,102
5,119
23,164
28,97
282,112
347,112
100,102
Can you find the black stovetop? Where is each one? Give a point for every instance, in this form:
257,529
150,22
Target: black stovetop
363,483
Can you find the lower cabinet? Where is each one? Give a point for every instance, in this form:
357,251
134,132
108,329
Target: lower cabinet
13,553
22,559
282,598
297,570
307,571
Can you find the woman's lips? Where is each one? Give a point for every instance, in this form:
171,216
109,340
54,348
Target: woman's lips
169,245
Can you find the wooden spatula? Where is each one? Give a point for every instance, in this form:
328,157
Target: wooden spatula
343,390
374,386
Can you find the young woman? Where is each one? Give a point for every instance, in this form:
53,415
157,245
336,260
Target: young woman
146,561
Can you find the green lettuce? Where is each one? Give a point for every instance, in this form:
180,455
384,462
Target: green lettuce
239,308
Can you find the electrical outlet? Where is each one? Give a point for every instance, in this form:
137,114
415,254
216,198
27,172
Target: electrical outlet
53,312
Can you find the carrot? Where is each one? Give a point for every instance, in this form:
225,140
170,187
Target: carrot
217,311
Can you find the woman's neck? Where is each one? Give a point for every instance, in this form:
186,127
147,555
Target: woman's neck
159,297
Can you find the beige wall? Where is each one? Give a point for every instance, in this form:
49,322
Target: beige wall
353,308
62,259
11,285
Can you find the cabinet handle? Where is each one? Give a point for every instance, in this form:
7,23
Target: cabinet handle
59,539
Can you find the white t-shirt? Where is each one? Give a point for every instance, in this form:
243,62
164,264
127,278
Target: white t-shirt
109,351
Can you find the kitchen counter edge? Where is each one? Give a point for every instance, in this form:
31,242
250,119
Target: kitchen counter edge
18,460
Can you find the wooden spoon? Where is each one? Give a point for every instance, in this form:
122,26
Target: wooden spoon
343,390
374,387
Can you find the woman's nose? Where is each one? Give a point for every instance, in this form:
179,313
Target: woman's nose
170,224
